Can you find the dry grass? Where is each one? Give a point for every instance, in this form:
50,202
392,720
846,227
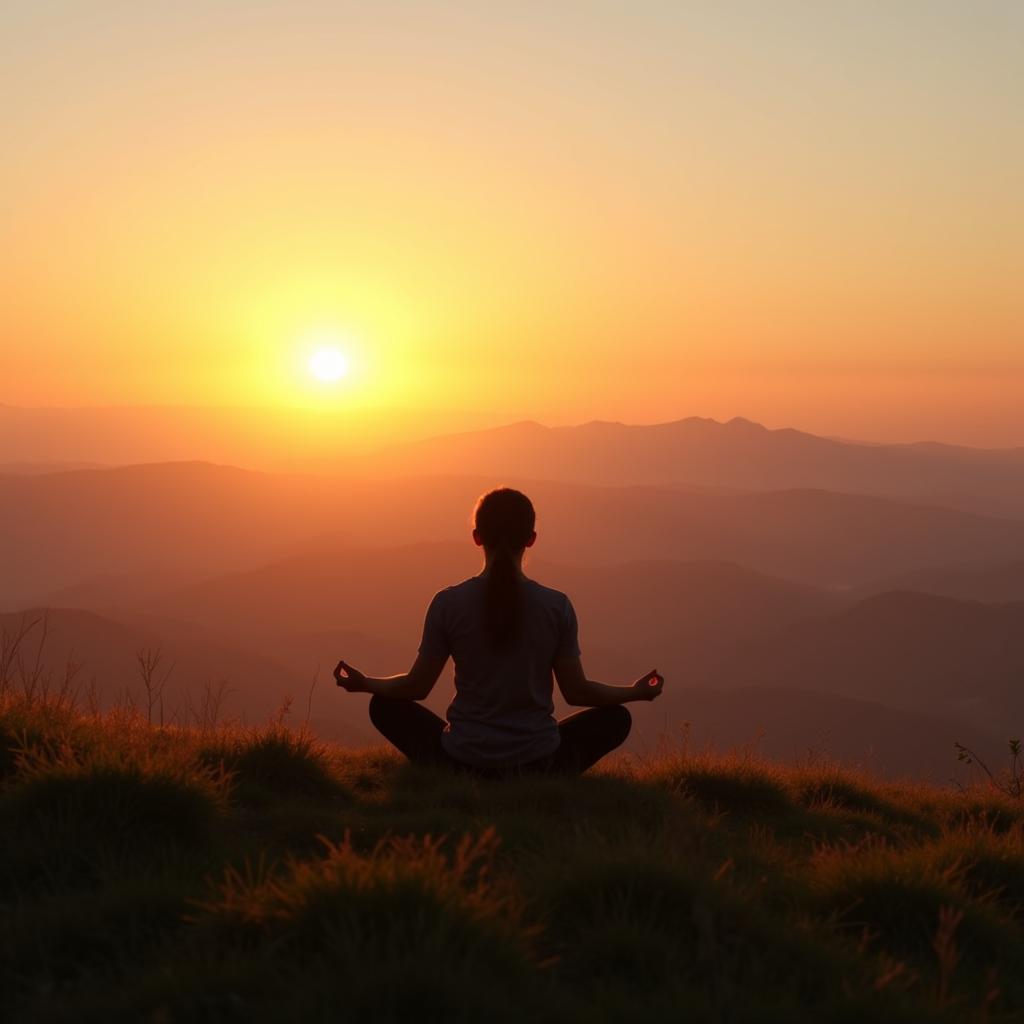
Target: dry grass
152,873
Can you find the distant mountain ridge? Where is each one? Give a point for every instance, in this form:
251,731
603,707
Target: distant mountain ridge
996,583
961,659
269,436
736,454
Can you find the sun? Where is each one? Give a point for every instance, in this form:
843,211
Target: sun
328,364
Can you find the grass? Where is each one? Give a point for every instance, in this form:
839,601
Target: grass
261,875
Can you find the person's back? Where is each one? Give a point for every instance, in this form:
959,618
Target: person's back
503,711
510,638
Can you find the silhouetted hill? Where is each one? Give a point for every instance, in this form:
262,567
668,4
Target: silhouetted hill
105,652
741,651
916,651
676,613
63,530
375,590
736,454
815,537
58,530
36,468
268,437
704,624
369,603
384,591
989,583
121,590
800,725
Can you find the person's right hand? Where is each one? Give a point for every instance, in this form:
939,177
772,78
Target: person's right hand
649,685
349,678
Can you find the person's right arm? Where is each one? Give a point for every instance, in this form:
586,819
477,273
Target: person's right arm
581,692
415,684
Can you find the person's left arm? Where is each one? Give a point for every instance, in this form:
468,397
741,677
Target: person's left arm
415,684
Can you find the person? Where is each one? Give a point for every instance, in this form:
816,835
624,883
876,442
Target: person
508,635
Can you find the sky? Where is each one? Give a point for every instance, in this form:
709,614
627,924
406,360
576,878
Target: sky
807,214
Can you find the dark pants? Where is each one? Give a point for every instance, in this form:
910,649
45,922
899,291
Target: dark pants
586,737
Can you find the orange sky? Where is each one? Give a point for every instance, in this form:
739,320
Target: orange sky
808,214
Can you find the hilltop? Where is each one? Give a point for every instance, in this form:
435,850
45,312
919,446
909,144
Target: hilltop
261,875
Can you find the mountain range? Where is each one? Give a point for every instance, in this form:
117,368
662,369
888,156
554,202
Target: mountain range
737,454
785,584
60,529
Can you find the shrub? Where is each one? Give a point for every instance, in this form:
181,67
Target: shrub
273,761
903,896
990,864
54,940
414,929
730,784
69,815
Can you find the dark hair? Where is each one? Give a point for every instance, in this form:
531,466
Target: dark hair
504,519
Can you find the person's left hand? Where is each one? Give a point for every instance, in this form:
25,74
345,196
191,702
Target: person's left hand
649,686
349,678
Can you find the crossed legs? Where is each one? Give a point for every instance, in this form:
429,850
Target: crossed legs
585,736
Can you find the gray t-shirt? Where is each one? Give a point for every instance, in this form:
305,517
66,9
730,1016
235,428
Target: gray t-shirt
502,713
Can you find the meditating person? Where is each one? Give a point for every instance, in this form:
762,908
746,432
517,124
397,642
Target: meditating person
507,635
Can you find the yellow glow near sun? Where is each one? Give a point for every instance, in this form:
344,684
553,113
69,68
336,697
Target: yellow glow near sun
320,366
328,364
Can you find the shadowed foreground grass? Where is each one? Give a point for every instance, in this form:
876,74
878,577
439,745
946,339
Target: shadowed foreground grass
172,875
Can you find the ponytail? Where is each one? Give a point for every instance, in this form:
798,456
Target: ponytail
503,610
504,520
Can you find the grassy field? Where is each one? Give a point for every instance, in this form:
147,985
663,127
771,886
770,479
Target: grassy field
258,875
